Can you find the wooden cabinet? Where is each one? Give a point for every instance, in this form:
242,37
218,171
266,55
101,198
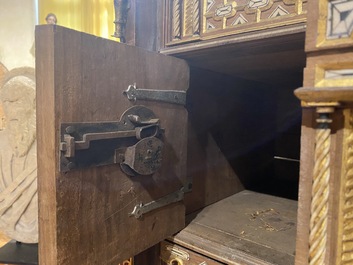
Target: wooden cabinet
219,37
253,153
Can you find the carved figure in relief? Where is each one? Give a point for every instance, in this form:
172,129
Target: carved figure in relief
18,163
3,70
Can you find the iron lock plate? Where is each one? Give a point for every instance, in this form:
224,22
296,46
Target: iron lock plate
134,142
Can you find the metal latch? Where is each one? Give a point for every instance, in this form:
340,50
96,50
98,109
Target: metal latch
169,96
141,209
134,142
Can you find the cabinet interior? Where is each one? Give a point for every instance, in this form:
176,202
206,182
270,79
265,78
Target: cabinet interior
242,107
242,95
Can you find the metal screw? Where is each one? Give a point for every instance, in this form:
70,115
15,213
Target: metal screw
70,129
71,165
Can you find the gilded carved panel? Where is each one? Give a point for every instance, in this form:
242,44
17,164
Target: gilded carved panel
334,74
345,247
192,20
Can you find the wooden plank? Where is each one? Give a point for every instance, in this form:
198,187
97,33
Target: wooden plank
84,215
47,215
248,58
144,24
246,228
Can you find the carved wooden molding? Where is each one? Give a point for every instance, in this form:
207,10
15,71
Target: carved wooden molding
345,234
311,96
192,20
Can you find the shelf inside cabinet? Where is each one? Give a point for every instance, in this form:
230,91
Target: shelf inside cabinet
245,228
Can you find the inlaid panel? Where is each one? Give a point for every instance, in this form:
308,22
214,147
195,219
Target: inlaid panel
334,25
192,20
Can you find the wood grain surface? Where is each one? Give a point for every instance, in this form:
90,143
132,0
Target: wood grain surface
84,214
246,228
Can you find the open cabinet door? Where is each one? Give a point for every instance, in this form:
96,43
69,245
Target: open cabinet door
111,160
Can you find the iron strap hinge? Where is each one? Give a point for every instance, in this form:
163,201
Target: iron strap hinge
169,96
141,209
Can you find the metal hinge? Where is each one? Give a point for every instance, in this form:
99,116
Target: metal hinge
169,96
141,209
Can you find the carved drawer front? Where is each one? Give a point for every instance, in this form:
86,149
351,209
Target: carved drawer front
173,254
192,20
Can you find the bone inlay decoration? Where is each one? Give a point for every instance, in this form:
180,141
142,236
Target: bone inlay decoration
339,19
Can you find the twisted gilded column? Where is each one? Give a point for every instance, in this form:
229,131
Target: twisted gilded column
320,189
331,204
176,19
196,17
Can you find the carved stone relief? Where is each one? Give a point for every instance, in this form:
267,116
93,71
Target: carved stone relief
18,158
3,70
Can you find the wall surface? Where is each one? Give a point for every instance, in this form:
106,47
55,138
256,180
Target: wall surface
17,33
90,16
16,37
17,20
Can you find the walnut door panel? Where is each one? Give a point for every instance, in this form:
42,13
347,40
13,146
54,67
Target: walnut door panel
85,214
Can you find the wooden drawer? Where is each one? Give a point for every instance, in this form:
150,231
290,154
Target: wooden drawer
173,254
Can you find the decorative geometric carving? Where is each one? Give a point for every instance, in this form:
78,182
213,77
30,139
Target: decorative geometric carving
192,18
339,74
188,17
347,226
191,15
209,26
225,11
278,12
256,4
210,3
239,20
339,19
